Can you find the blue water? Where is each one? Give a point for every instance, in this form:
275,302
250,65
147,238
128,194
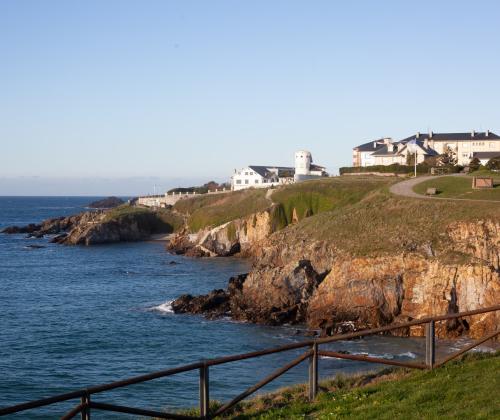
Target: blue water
73,316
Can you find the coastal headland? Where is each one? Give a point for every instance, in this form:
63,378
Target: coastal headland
337,254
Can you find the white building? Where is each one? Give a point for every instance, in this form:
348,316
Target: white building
463,145
267,176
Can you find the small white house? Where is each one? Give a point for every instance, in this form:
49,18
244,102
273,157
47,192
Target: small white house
261,177
267,176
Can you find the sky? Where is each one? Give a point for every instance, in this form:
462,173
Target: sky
121,97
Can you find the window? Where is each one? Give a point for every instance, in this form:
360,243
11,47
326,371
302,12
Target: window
246,181
264,181
238,181
256,181
251,173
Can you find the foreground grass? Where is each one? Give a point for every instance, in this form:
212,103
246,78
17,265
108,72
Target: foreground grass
464,389
460,187
467,389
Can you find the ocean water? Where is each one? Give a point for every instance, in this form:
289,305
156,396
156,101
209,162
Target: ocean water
74,316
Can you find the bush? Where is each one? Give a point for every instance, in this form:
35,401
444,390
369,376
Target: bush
494,164
474,164
395,168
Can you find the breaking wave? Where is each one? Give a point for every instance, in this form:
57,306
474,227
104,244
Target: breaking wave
165,307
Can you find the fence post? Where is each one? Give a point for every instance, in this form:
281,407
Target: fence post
85,414
313,372
204,393
430,344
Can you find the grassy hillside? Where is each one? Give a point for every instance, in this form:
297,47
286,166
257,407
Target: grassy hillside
160,221
465,389
216,209
381,223
459,187
305,199
314,197
357,214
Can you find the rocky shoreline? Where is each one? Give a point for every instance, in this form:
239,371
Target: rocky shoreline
300,281
96,227
296,279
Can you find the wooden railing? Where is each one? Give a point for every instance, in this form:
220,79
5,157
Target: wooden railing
312,353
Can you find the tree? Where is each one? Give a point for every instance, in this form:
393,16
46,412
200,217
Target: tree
474,164
494,164
449,157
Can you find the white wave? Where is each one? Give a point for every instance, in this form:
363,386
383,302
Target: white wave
408,354
386,356
165,307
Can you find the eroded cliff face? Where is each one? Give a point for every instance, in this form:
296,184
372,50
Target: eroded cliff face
237,236
296,279
480,239
372,292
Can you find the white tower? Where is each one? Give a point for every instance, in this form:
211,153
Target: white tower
303,161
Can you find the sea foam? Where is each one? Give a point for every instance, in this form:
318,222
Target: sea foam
165,307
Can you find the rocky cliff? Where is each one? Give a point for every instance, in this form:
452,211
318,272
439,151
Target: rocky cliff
301,280
238,236
99,227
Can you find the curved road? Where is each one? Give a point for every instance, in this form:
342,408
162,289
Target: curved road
405,189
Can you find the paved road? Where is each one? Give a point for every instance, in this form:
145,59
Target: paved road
405,189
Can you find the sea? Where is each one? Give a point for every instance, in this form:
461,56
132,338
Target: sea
77,316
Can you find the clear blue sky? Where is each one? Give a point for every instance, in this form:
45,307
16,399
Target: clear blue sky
102,97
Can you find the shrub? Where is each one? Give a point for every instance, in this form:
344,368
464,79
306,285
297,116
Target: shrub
494,164
474,164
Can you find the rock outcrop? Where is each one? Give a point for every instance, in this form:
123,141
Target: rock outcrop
236,237
216,304
97,227
297,280
106,203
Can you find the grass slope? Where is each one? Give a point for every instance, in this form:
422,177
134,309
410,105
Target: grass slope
314,197
465,389
160,220
304,199
382,223
216,209
460,187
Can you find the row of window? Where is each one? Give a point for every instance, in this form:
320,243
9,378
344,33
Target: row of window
246,173
264,181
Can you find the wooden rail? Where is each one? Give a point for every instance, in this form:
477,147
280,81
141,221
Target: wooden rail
312,354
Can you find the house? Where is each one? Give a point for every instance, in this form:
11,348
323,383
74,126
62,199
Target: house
484,157
258,176
461,145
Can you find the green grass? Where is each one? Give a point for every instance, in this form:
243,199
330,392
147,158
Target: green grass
158,221
465,389
217,209
304,199
461,187
382,224
314,197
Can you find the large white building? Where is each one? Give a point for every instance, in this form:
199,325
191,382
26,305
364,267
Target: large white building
258,176
464,146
